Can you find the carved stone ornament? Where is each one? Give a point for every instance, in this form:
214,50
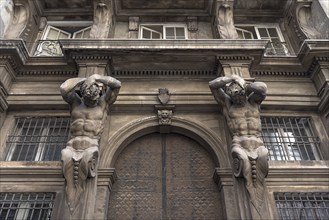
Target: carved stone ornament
133,23
163,95
192,23
241,104
224,20
304,19
18,17
89,99
103,19
165,116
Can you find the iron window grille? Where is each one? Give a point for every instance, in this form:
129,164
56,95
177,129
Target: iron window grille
302,205
290,138
26,206
38,139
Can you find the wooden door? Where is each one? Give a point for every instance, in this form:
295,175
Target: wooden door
164,176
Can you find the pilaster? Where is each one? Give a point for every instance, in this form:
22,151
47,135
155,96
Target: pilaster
8,75
223,177
235,65
92,64
106,179
133,27
319,72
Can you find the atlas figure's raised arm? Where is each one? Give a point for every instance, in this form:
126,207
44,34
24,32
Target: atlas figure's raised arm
256,92
217,85
68,89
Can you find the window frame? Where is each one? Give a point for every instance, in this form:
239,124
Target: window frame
27,205
298,205
164,26
270,25
245,31
43,144
53,43
281,149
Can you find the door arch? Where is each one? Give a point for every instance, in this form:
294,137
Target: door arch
165,176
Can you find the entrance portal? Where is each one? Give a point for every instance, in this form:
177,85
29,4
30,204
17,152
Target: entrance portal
164,176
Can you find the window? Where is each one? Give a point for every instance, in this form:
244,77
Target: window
290,138
276,45
38,139
163,32
302,205
49,45
26,206
244,34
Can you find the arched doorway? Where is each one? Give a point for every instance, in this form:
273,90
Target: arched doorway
164,176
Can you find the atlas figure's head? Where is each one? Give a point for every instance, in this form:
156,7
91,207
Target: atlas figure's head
237,92
90,93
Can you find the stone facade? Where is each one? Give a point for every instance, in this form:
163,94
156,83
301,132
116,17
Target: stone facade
166,138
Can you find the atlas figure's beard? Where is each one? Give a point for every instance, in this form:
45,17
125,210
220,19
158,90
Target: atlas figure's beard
239,99
90,102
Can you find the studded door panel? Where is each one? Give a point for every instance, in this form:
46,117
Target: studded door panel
164,176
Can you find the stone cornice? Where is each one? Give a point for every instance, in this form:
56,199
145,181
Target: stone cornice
48,73
316,61
90,57
15,52
122,45
303,172
223,177
311,49
279,73
49,173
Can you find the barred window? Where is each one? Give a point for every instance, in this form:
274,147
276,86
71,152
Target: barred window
26,206
302,205
290,138
38,139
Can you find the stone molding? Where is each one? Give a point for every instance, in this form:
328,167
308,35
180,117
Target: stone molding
113,45
164,73
316,62
311,49
223,177
280,73
47,173
305,176
47,73
137,128
9,59
90,57
249,58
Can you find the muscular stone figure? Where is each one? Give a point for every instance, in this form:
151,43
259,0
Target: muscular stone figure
241,103
89,99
